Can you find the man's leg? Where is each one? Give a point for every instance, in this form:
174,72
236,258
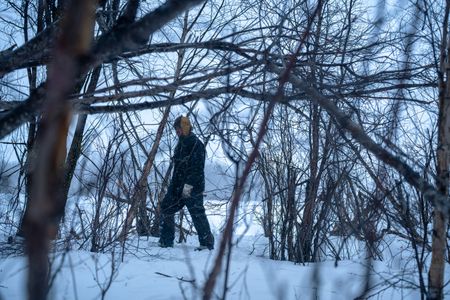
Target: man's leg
201,224
169,207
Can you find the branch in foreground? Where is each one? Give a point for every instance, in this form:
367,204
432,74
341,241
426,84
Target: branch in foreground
122,39
239,186
205,94
35,52
23,112
117,41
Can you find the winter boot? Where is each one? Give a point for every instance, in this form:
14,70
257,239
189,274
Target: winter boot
165,244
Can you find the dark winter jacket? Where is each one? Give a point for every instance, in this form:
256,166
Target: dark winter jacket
189,164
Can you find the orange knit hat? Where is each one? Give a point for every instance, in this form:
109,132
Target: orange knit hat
183,123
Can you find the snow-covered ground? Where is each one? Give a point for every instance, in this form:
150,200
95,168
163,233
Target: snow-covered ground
146,271
150,272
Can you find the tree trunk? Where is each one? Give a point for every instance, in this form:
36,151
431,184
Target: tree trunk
154,229
306,236
291,213
45,205
75,148
28,176
139,192
32,79
437,267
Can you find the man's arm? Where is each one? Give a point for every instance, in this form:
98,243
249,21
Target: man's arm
196,164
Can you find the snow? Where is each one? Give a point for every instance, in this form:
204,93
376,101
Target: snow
146,271
149,272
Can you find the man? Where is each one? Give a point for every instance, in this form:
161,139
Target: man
186,187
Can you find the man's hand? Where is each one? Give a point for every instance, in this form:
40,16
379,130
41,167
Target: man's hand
187,189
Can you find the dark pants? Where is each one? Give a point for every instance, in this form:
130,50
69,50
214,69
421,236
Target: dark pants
170,206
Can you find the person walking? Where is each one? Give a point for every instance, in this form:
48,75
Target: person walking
186,187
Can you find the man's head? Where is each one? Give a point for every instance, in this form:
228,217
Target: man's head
182,126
